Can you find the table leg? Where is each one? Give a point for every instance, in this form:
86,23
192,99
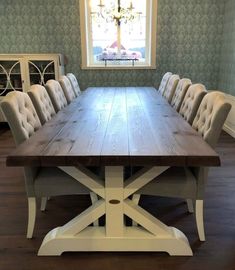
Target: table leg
151,235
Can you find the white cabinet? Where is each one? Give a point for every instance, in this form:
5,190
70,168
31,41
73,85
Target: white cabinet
19,71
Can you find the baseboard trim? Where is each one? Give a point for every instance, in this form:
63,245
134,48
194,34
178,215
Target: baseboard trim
229,130
229,125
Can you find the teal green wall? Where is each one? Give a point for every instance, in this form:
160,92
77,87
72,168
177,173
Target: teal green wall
227,65
189,39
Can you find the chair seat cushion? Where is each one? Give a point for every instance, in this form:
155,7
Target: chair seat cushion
174,182
54,182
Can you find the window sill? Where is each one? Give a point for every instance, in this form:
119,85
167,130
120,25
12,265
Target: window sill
116,67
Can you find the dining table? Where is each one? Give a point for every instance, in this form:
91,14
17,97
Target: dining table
114,128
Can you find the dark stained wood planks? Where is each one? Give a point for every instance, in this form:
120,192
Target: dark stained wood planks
116,126
115,148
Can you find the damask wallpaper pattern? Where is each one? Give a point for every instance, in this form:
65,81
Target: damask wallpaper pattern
189,35
227,64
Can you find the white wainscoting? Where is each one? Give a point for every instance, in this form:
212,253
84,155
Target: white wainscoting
229,126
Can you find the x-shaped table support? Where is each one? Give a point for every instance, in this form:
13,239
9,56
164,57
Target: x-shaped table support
114,203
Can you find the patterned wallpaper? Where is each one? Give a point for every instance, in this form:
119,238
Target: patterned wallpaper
227,64
189,39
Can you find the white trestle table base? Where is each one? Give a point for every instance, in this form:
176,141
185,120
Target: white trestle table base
114,203
133,239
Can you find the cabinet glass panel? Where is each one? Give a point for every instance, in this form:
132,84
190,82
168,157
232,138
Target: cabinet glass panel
41,71
10,77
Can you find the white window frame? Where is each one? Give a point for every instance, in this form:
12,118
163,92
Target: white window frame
86,46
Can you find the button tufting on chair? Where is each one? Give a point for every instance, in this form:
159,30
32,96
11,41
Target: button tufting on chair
171,87
42,102
191,102
56,95
180,93
67,88
164,82
74,82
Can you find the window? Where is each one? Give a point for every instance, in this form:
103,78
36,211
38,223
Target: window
118,33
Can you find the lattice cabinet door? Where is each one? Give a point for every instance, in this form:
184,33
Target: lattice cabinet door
41,68
11,78
19,71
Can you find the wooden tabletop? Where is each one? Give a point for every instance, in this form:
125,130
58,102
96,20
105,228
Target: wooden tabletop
116,126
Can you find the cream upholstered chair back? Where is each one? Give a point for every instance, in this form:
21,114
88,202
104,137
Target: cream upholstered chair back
23,120
72,78
20,115
67,88
191,102
41,102
56,94
164,82
171,86
39,182
180,92
211,116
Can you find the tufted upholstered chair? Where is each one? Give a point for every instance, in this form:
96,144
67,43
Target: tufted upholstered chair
189,183
211,116
170,87
164,82
72,78
192,101
56,94
41,102
180,92
21,115
39,182
67,88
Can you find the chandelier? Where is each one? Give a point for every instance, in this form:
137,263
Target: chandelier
116,13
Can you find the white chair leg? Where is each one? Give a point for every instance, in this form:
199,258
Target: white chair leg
43,203
190,205
135,199
199,219
94,199
31,216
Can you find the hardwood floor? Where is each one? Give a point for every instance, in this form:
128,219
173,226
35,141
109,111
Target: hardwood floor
218,252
